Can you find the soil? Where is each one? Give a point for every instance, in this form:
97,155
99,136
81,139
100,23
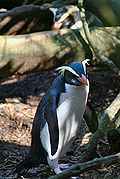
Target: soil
19,97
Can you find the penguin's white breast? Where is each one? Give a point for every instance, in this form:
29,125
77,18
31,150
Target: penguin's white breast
70,112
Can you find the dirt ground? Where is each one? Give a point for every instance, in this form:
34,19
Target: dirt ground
19,97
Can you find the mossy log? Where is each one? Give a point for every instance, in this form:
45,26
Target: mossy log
109,120
48,50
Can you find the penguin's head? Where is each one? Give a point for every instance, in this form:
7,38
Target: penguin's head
69,17
75,74
65,17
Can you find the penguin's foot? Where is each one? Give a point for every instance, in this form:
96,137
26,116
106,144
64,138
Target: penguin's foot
63,166
57,170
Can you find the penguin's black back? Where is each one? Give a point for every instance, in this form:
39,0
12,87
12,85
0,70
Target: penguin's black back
37,153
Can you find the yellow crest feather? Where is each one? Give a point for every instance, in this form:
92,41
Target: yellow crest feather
63,68
86,61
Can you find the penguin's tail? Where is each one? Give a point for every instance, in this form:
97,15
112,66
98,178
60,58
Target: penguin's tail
35,156
37,153
24,166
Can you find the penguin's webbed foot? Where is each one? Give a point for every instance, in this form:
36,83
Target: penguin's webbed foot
64,166
57,170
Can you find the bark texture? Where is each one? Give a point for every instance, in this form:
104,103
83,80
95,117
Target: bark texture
41,51
48,50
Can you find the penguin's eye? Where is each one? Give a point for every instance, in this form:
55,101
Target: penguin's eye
70,75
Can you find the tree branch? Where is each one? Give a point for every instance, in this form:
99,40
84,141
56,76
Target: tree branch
105,122
77,169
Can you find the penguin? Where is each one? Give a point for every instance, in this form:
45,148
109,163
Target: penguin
58,118
69,17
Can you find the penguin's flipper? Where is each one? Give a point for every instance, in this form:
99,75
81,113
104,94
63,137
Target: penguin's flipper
91,117
51,118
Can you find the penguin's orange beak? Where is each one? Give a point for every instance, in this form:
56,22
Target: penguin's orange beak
56,25
83,79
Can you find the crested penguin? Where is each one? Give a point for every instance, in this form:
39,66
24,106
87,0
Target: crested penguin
58,118
69,17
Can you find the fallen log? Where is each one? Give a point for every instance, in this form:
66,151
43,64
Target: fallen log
41,51
48,50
